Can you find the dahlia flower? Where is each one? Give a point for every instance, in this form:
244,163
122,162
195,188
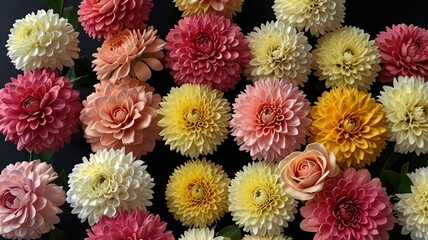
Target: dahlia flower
137,224
349,123
199,234
266,237
207,49
347,56
411,209
317,16
350,206
39,110
107,182
227,8
404,52
42,40
129,52
406,107
270,119
29,201
278,50
257,201
103,18
196,193
194,119
121,115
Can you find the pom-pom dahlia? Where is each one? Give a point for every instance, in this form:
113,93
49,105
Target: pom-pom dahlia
406,107
278,50
129,52
349,123
103,18
196,193
29,201
107,182
404,52
350,206
411,209
257,201
194,119
227,8
138,224
121,115
270,119
266,237
39,110
199,234
317,16
347,56
42,40
207,49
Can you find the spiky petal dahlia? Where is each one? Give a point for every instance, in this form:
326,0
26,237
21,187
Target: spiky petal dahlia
412,208
194,119
317,16
39,110
404,52
406,107
350,206
207,49
349,123
121,115
129,53
347,56
270,119
196,193
227,8
42,40
266,237
199,234
257,201
278,50
103,18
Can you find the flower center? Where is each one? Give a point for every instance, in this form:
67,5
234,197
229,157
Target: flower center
119,115
349,125
348,56
202,39
193,115
347,212
30,104
197,192
260,196
269,116
7,199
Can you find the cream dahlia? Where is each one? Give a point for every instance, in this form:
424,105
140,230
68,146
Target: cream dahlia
266,237
207,49
270,119
42,40
347,56
199,234
278,50
406,107
227,8
257,201
107,182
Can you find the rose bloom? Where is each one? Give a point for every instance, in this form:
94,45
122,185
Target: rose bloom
304,173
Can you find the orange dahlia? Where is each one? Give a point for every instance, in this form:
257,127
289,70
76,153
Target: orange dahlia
351,124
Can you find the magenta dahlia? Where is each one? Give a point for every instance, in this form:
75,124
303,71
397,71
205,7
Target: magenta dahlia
350,206
270,119
39,110
404,52
102,18
207,49
137,224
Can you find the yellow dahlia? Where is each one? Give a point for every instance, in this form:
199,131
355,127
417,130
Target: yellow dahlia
257,201
266,237
347,56
199,234
349,123
227,8
196,193
194,119
278,51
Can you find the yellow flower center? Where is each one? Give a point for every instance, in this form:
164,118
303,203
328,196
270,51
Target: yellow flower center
349,125
197,192
260,196
348,56
193,115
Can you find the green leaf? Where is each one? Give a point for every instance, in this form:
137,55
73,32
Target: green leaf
393,177
83,81
46,156
61,180
82,66
56,5
405,182
71,16
231,232
71,73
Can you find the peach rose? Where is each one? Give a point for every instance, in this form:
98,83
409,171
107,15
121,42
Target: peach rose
303,173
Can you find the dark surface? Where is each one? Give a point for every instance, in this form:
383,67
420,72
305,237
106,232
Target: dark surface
372,16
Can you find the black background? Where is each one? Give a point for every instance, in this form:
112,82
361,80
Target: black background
371,15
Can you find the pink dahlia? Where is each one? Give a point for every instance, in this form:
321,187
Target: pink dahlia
102,18
350,206
121,115
138,224
39,110
270,119
29,201
207,49
404,52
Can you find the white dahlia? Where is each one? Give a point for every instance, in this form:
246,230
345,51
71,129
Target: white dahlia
266,237
199,234
109,181
406,108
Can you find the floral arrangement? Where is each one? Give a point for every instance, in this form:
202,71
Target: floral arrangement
329,123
